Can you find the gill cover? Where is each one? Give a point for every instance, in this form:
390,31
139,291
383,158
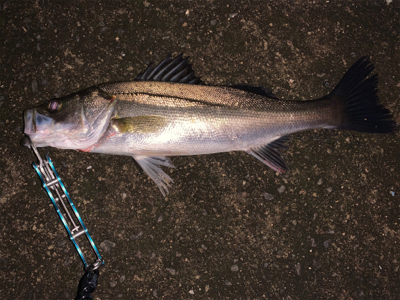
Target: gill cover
72,122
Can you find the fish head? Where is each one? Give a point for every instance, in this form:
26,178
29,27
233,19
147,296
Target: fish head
76,121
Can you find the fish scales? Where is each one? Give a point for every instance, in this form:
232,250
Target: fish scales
226,118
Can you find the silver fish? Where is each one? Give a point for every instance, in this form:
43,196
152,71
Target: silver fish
168,111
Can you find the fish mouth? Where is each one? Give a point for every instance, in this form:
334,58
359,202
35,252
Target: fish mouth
29,128
36,122
29,121
37,127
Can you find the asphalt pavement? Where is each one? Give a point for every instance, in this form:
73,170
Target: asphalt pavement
231,228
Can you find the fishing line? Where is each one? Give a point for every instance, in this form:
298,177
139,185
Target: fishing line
71,220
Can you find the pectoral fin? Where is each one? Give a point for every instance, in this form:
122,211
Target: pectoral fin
151,165
139,124
270,156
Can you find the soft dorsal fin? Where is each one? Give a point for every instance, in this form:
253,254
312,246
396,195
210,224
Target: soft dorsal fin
259,90
171,70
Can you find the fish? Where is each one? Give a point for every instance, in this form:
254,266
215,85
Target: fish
169,111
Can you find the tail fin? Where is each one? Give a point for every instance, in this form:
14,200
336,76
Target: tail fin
363,111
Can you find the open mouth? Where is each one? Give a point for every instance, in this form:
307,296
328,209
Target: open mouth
36,122
37,127
30,127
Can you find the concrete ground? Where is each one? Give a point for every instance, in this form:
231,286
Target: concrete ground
231,228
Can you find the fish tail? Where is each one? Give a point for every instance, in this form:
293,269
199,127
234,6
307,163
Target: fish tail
358,94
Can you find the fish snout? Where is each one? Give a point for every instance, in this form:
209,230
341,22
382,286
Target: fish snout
30,127
36,122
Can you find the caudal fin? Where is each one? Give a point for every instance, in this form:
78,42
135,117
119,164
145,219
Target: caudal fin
363,111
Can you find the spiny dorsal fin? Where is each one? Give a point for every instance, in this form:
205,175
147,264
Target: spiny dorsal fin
171,70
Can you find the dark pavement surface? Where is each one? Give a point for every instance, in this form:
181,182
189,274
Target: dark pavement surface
231,228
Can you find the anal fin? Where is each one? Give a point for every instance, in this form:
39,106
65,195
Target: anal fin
151,165
269,155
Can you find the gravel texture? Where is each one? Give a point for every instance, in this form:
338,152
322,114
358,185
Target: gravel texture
231,228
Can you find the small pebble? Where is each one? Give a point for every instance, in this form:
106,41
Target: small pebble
234,268
313,243
106,245
171,271
268,196
298,269
281,189
134,237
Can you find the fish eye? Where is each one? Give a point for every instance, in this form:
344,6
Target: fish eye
54,106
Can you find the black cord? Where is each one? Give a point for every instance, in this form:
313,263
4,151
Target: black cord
88,284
